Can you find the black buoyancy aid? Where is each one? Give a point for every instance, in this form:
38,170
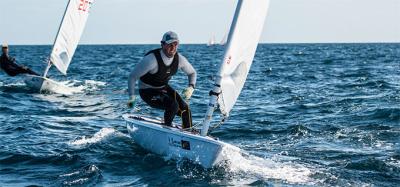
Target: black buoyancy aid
8,64
164,73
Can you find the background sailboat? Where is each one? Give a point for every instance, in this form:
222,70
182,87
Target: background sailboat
65,44
212,41
175,143
224,40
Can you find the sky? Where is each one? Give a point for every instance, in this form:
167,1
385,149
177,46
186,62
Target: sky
196,21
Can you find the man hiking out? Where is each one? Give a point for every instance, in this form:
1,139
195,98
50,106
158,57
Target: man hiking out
8,64
154,72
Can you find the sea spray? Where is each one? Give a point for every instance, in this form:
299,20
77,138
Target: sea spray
241,162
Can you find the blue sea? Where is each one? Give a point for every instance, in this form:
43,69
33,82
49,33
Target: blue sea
309,115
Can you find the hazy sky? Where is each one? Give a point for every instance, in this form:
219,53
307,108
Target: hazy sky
195,21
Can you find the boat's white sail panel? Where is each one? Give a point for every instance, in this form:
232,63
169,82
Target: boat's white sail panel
242,43
69,33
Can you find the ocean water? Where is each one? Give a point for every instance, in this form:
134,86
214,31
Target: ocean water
309,115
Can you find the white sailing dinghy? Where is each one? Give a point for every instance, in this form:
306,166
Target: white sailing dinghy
175,143
65,44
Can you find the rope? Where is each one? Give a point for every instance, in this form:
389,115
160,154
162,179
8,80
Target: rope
217,125
223,117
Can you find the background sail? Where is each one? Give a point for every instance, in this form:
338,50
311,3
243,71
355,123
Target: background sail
69,33
242,43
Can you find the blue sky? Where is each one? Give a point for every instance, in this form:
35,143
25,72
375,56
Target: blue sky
195,21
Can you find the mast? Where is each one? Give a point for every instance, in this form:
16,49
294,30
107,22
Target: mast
58,32
217,85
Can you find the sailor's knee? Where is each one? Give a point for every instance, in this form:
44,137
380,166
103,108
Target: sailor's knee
173,106
185,107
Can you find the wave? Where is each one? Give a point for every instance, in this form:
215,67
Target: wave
372,164
88,176
71,87
88,85
15,87
18,158
363,83
247,165
100,136
392,114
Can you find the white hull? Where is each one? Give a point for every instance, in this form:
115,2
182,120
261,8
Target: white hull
43,84
173,142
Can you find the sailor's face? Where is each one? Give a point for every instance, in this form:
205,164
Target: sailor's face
4,50
170,49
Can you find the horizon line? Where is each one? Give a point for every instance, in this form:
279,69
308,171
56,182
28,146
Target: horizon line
372,42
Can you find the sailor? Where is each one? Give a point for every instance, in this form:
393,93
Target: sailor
154,72
8,64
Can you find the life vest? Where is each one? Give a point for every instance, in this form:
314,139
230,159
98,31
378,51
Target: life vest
9,66
164,73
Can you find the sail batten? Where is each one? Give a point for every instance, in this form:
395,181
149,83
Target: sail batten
242,43
69,33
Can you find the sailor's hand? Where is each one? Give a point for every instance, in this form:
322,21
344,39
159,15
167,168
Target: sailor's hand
132,101
187,93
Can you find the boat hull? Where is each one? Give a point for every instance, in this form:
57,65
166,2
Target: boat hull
43,85
174,143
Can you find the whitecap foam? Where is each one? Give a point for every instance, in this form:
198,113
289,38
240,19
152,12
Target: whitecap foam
64,88
103,134
91,85
93,82
71,87
16,84
84,176
73,119
252,166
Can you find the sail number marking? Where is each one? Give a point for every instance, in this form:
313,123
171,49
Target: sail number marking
84,5
228,61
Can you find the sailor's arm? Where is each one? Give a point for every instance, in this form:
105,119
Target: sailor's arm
14,63
192,75
143,67
187,68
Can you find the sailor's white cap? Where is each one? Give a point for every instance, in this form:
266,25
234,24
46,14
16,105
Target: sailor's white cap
4,45
169,37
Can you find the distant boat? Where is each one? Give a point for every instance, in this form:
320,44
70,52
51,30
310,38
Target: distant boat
211,41
65,44
224,39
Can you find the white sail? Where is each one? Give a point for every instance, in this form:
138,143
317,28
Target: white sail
69,33
242,43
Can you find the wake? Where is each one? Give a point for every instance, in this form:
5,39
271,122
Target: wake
250,166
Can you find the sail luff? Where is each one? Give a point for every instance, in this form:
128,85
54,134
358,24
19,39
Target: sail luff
230,35
242,44
69,33
244,34
59,27
214,94
55,39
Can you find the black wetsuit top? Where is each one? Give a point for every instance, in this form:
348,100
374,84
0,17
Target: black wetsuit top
8,64
164,72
